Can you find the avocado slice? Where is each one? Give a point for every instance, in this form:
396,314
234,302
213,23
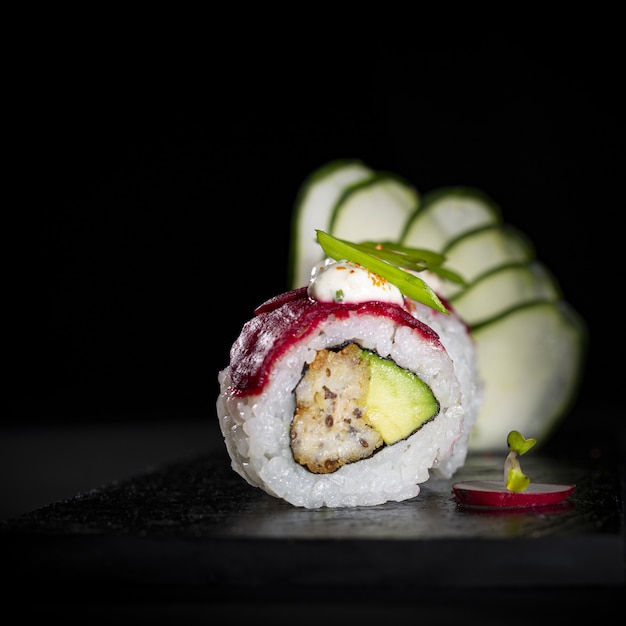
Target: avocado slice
398,401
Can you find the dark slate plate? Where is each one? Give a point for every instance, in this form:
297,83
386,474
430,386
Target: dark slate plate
196,523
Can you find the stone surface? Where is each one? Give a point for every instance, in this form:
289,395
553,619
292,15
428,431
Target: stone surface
197,523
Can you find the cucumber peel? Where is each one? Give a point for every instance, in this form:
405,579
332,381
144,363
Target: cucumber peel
504,288
447,213
479,251
374,208
530,358
316,198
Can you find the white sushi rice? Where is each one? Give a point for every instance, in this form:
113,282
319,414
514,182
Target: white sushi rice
458,342
256,428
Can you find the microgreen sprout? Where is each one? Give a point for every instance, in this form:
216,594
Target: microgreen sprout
514,479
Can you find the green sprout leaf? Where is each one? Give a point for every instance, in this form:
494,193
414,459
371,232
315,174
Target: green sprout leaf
514,479
517,442
386,263
415,259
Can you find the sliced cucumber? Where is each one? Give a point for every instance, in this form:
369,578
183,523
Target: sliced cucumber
479,251
314,204
529,340
531,361
376,208
447,213
503,288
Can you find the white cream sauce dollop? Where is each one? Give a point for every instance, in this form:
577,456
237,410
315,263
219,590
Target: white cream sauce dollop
343,281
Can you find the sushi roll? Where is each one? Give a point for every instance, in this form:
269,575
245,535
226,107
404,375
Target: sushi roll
348,393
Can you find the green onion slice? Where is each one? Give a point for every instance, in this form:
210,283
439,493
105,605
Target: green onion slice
386,260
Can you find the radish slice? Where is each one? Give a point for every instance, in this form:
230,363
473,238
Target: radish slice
494,493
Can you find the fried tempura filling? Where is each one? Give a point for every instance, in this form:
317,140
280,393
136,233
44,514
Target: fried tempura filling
330,427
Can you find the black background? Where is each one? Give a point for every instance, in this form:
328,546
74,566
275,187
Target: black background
157,185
